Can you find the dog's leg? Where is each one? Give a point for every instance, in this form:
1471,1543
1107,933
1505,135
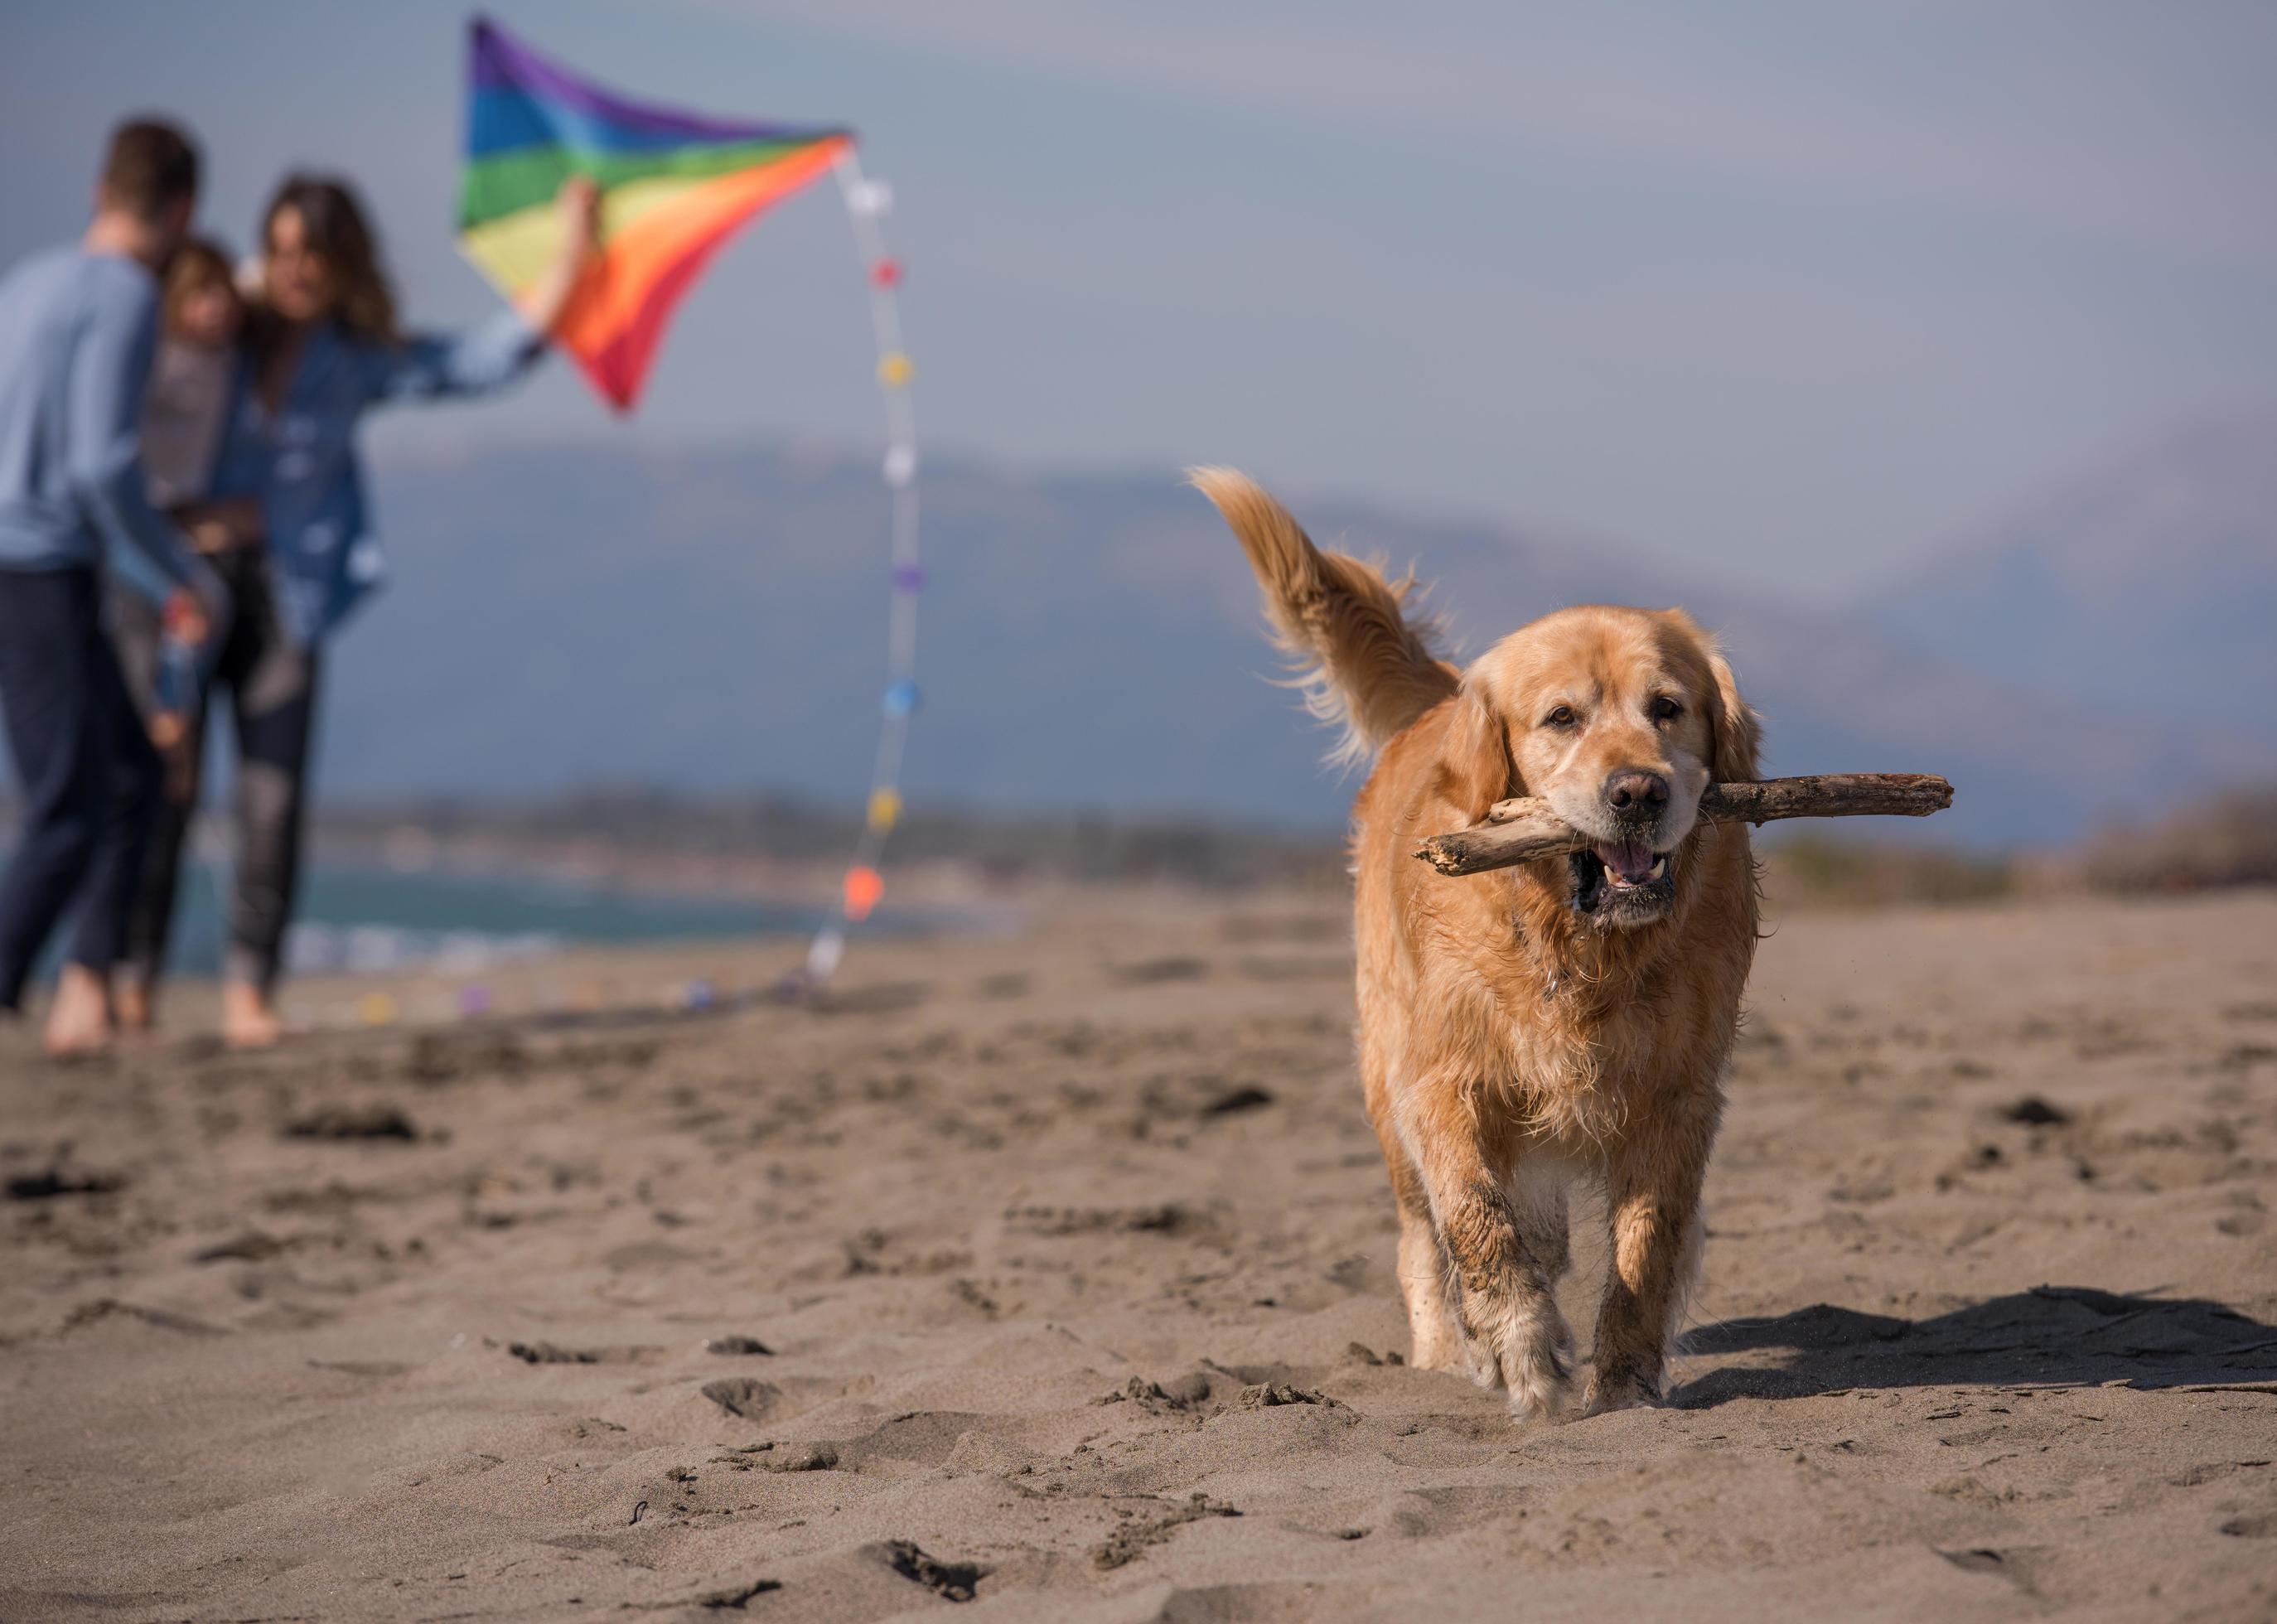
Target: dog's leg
1505,1306
1653,1201
1434,1341
1433,1336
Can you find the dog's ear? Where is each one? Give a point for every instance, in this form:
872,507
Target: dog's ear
1476,770
1738,730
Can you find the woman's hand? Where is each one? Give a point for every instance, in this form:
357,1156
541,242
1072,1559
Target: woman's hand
579,204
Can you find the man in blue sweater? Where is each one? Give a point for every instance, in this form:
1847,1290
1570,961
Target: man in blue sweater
78,327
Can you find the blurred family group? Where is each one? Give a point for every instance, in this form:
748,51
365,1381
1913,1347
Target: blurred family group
182,520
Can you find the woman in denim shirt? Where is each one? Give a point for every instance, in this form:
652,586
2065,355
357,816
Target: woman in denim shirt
286,526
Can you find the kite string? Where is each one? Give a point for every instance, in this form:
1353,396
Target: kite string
867,202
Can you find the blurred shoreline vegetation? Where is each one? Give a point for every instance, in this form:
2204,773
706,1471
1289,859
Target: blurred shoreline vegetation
2211,843
2228,839
1846,871
641,839
781,843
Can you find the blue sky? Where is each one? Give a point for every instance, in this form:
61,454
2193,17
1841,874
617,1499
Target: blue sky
1792,294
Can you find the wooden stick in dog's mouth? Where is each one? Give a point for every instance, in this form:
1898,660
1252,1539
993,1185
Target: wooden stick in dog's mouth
1520,830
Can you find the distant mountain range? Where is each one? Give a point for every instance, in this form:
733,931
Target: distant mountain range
2147,588
714,621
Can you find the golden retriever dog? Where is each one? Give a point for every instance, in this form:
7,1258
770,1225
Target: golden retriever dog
1567,1019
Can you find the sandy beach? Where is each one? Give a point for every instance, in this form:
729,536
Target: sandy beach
1049,1275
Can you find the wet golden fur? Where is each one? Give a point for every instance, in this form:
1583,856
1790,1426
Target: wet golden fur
1510,1043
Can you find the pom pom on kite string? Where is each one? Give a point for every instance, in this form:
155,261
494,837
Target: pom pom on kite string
885,272
377,1009
474,1000
885,809
908,578
901,696
901,465
865,886
823,957
871,199
894,369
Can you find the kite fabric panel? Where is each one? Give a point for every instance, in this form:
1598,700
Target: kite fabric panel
675,186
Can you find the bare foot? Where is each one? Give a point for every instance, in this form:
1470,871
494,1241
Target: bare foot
247,1018
79,1021
131,1001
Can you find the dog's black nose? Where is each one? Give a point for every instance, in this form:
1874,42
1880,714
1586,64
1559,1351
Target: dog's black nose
1635,793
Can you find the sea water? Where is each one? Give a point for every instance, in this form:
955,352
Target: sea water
369,919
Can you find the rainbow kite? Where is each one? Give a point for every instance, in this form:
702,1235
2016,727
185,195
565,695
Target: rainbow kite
673,189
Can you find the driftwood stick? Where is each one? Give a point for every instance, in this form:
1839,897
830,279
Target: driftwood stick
1520,830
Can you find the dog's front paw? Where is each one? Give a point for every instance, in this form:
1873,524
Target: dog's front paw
1478,1361
1539,1372
1525,1347
1620,1390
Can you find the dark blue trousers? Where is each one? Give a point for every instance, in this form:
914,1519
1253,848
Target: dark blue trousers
89,776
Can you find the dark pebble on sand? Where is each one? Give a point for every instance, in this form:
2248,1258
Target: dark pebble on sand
2035,1112
54,1181
1154,970
736,1344
733,1598
252,1247
351,1122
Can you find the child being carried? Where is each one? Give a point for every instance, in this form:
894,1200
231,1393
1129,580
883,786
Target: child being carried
191,375
184,415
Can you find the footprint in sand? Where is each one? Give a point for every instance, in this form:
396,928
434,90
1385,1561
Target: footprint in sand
950,1581
1132,1540
744,1396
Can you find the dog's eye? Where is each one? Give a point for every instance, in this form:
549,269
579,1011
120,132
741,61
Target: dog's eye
1562,717
1665,709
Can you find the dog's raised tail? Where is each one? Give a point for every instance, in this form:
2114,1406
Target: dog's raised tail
1364,666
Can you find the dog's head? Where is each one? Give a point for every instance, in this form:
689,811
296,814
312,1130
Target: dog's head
1618,717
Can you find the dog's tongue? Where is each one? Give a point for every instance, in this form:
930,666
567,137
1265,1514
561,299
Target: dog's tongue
1631,860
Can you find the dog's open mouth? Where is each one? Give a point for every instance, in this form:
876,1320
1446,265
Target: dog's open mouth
1626,877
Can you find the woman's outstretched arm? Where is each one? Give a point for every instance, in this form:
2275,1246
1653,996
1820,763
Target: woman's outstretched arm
500,350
